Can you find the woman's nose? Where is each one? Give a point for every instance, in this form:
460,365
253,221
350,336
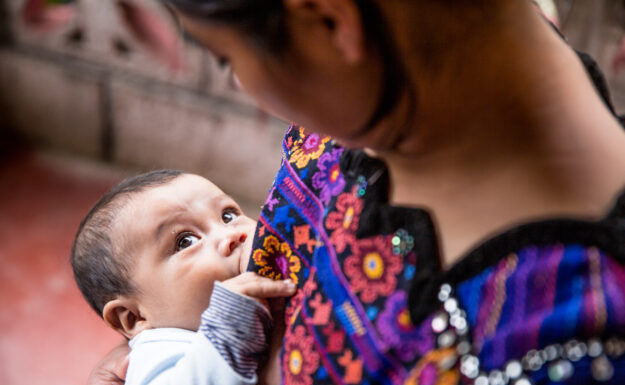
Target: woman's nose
230,241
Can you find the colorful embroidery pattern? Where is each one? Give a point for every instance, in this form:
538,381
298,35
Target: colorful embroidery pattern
300,361
329,178
307,148
348,322
428,371
302,215
276,260
396,328
372,268
344,221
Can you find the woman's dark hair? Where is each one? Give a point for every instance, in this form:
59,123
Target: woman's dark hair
100,272
263,22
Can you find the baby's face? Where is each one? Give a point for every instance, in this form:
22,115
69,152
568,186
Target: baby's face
181,237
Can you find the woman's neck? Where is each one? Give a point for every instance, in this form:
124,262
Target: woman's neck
509,131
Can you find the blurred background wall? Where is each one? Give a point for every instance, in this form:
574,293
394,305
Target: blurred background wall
84,101
78,80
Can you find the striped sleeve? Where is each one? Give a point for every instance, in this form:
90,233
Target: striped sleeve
238,327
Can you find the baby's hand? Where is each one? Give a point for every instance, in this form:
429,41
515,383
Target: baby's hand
256,286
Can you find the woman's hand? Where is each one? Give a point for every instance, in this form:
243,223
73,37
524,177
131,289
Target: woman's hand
111,370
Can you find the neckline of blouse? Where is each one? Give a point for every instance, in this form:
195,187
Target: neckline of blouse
607,234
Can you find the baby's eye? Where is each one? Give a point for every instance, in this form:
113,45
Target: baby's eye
185,241
229,215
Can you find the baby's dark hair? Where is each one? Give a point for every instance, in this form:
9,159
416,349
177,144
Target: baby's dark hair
99,270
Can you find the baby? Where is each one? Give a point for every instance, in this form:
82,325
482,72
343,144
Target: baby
149,258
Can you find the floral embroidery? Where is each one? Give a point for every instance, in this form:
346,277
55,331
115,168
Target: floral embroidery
329,177
307,148
299,360
344,221
372,269
276,260
396,328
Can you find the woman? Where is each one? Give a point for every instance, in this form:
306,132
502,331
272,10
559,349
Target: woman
475,111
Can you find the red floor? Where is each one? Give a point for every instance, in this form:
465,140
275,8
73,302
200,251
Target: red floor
48,334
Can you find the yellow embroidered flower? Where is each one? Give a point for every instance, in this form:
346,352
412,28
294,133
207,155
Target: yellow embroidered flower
309,147
276,259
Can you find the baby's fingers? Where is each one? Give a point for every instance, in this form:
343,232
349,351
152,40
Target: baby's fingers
253,285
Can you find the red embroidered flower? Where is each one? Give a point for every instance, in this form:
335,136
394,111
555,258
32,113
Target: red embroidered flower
277,260
372,268
299,361
344,221
309,147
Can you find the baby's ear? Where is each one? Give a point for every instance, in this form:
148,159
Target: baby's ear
123,315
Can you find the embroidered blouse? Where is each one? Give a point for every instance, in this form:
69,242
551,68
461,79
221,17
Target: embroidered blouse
541,303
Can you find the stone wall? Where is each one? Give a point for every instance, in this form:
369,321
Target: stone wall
89,87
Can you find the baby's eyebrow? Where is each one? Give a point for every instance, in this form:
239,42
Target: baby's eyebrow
220,198
214,202
164,224
160,228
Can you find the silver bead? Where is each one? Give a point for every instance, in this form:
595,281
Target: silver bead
522,381
595,348
611,347
444,292
470,366
552,352
514,369
602,369
446,339
614,347
458,322
575,350
481,380
440,322
532,360
450,305
463,348
497,377
560,370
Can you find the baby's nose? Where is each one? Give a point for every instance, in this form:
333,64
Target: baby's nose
231,241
